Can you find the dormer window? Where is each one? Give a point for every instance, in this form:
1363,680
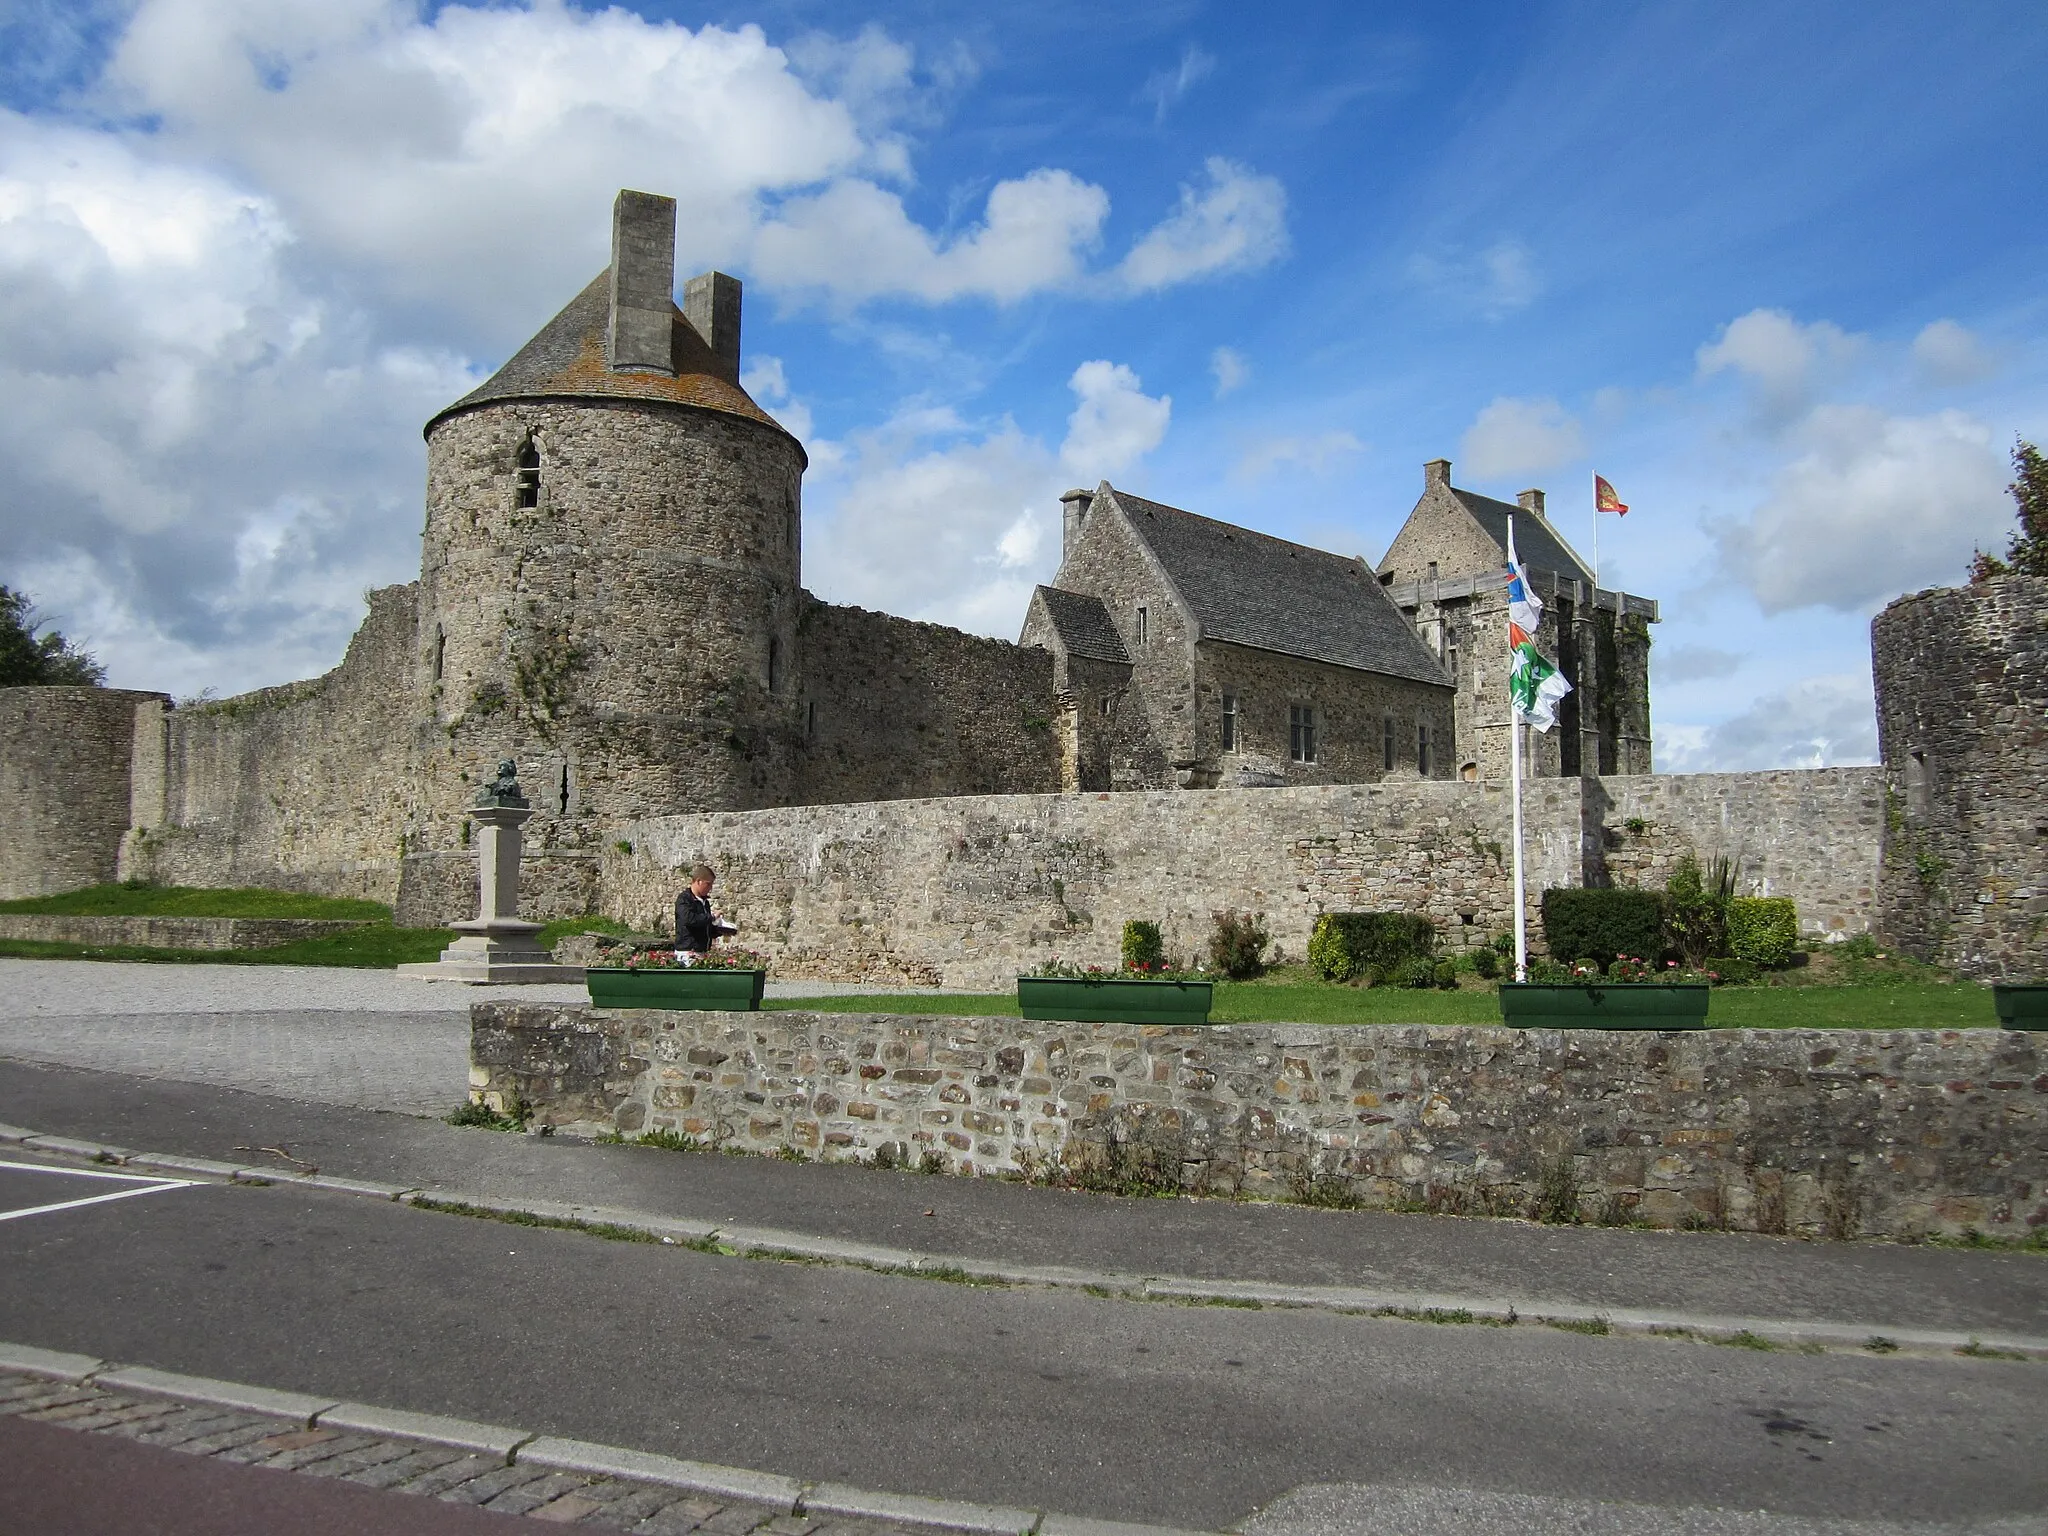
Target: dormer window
528,476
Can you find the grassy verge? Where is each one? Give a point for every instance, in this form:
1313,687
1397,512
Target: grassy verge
135,899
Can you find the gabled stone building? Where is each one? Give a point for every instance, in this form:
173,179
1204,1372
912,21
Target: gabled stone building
1447,571
1197,654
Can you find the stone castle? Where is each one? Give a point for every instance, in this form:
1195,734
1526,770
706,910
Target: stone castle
610,593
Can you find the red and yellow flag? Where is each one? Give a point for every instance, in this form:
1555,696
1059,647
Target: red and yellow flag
1604,499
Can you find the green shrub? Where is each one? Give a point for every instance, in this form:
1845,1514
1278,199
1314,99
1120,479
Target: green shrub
1414,972
1764,930
1485,964
1444,974
1696,908
1347,945
1237,947
1143,948
1600,924
1733,970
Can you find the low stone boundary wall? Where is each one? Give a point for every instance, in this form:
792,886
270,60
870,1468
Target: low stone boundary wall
171,932
1837,1133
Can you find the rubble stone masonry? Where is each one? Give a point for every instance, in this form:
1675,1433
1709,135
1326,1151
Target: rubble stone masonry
1825,1133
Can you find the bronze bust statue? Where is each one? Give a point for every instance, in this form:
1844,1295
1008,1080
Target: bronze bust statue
504,789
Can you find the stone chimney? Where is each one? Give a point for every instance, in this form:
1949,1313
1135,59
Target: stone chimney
711,303
1437,472
1074,516
643,278
1530,501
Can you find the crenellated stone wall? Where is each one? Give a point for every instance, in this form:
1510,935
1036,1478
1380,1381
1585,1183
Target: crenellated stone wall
967,891
1824,1133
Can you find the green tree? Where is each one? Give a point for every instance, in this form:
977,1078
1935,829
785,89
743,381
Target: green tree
32,654
2027,554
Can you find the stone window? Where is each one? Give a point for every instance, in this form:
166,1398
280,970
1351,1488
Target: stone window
1422,747
440,651
774,665
1144,626
1230,722
528,476
1387,745
811,719
1108,707
1301,733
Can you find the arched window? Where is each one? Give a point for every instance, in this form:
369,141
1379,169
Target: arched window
528,478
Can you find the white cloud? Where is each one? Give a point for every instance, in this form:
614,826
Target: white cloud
1166,87
931,517
1785,362
1820,722
1693,663
1236,222
1873,505
1231,370
1495,282
855,241
1521,436
1314,453
762,377
1115,423
1947,354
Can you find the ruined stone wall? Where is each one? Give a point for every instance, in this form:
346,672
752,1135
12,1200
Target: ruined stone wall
1822,1133
65,756
1351,711
1810,834
969,891
893,709
311,787
1962,726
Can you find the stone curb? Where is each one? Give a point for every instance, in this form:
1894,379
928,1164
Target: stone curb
299,1407
775,1242
669,1471
909,1509
70,1146
53,1363
14,1132
437,1429
517,1446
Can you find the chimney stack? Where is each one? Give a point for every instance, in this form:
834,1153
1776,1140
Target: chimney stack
643,278
1073,517
1436,472
711,303
1530,501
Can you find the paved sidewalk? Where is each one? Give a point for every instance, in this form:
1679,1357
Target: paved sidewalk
324,1034
1700,1274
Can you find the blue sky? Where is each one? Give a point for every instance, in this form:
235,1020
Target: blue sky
1775,271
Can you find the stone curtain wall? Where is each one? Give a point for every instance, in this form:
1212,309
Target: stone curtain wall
65,756
1836,1133
307,787
968,891
1810,834
895,709
1962,723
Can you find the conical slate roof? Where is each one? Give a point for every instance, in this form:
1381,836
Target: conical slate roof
566,359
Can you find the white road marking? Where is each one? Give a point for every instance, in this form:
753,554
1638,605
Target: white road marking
150,1186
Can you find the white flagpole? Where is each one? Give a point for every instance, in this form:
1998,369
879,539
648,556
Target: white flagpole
1515,778
1596,548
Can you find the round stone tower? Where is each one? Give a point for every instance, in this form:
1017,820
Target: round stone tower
1962,725
609,579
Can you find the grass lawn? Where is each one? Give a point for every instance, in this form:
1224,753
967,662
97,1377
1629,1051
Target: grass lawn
1289,998
184,901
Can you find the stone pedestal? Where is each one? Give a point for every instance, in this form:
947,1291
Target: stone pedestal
496,946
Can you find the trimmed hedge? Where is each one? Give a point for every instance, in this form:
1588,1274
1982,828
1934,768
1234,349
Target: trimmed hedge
1374,945
1600,924
1764,930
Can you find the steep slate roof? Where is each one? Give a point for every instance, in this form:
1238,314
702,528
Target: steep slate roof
1535,540
1251,589
1083,625
567,357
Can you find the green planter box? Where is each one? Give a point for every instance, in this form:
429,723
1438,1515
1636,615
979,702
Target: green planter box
1603,1005
2021,1005
1112,1000
613,986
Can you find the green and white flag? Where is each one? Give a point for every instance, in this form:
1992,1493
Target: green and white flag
1534,685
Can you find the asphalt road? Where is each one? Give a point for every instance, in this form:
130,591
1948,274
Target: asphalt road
1188,1416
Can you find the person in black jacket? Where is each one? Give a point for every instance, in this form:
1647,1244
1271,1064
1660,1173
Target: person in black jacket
696,924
